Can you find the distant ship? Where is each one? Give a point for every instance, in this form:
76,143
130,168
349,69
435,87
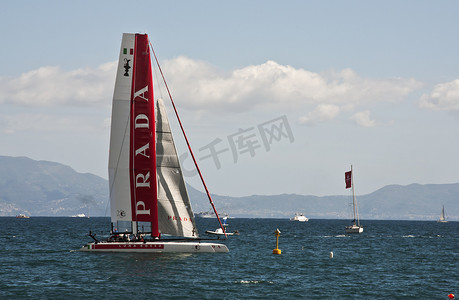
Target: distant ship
22,216
79,216
210,214
205,214
299,217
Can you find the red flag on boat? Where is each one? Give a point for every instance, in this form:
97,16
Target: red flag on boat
348,179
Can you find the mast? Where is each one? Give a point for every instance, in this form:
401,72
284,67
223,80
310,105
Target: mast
353,198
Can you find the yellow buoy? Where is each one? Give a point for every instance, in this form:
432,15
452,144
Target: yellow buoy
331,254
277,250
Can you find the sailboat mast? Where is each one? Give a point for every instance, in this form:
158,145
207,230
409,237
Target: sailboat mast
354,203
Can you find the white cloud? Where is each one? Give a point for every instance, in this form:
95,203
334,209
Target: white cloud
363,119
322,112
199,86
444,96
52,86
272,84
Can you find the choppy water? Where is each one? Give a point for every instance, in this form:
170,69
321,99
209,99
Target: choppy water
391,259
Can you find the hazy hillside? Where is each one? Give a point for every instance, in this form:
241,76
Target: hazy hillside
412,202
395,202
42,188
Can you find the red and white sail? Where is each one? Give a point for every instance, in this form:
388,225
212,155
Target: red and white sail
147,189
132,160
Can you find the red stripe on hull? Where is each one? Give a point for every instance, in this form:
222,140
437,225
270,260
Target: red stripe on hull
164,247
110,246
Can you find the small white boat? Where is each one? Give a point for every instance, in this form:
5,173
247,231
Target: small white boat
79,216
219,231
22,216
355,227
299,217
442,216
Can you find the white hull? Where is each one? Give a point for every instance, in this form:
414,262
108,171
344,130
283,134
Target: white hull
299,218
158,247
221,233
354,229
79,216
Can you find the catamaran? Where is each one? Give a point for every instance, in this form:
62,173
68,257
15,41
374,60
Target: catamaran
148,196
355,227
442,216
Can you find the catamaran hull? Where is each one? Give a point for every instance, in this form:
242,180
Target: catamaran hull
159,247
354,229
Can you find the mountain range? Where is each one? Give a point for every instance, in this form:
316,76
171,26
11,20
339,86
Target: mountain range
44,188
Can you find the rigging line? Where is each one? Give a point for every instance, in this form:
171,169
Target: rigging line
157,80
186,139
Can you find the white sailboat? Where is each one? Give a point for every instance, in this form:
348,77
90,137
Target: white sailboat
442,216
148,196
355,227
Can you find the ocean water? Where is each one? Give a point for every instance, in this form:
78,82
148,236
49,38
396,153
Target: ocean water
390,260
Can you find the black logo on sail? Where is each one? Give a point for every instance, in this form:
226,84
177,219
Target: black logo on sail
126,66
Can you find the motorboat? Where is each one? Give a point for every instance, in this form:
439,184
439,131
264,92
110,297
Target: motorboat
299,217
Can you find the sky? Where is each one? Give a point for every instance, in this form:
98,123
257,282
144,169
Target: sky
275,96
